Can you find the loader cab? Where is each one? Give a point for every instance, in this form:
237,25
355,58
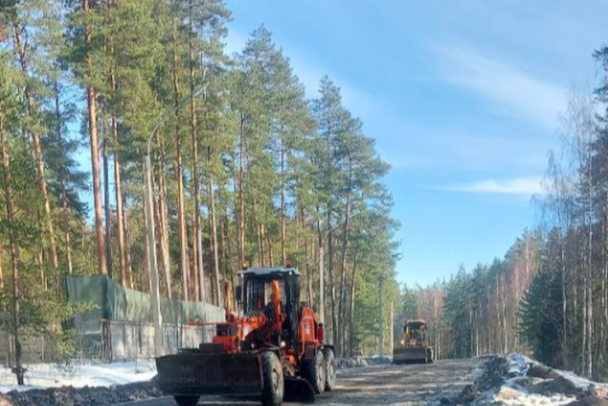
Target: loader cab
256,291
415,332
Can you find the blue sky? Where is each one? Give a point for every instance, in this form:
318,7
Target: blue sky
463,98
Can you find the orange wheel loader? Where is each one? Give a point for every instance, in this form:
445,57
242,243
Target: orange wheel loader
274,348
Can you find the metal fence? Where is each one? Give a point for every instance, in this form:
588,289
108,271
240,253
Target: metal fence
119,327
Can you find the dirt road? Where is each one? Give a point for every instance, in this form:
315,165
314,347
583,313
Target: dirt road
381,385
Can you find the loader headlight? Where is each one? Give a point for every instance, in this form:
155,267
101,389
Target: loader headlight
283,344
402,342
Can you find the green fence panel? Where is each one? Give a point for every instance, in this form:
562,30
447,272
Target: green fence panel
114,302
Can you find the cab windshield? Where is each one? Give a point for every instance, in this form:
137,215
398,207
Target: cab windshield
259,294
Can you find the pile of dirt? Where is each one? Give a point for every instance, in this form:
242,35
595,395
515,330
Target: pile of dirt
542,372
69,396
557,385
592,397
494,373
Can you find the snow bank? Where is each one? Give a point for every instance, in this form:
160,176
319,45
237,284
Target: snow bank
518,390
517,397
41,376
528,382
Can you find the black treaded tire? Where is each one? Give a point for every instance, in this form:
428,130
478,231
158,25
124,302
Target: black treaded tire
330,369
186,400
272,377
313,370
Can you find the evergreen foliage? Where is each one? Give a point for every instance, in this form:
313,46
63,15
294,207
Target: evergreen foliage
251,170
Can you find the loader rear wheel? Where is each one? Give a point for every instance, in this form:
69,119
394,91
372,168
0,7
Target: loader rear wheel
330,369
186,400
313,370
272,376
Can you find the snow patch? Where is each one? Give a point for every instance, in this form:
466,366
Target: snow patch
518,364
518,397
40,376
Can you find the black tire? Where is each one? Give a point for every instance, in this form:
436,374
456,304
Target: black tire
313,370
272,377
186,400
330,369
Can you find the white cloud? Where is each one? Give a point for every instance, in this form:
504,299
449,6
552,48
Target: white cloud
517,186
510,89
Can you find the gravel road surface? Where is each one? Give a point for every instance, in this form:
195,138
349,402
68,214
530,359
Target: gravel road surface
429,384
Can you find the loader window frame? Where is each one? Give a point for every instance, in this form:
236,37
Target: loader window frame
258,293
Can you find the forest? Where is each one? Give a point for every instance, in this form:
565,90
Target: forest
249,169
548,296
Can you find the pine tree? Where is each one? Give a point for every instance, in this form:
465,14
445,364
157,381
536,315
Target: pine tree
542,334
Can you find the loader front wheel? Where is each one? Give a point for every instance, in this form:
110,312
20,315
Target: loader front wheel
330,369
186,400
272,375
313,370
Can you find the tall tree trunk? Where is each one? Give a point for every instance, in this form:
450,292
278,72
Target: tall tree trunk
159,232
106,203
342,298
213,223
196,235
224,228
120,222
589,285
196,293
37,147
604,308
260,236
14,250
2,297
270,248
241,195
283,227
40,262
335,323
62,181
179,175
66,229
351,323
565,349
145,272
310,258
130,275
95,165
164,224
321,251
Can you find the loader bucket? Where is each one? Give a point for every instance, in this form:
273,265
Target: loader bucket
412,355
192,373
